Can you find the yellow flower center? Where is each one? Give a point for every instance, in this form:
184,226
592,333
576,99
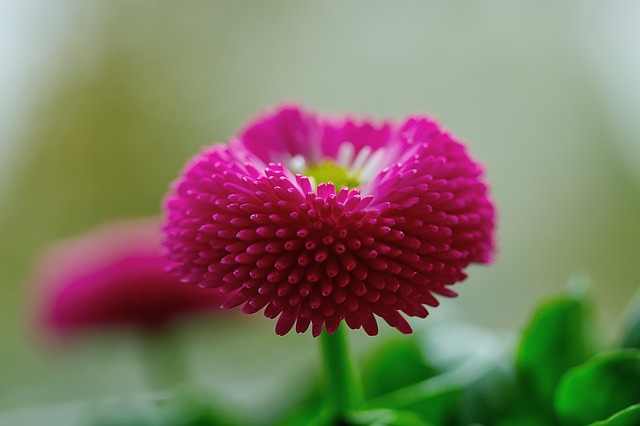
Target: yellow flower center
328,171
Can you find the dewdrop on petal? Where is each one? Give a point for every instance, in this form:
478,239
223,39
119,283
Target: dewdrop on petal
318,221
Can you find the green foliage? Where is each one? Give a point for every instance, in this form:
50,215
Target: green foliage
490,398
433,400
395,365
312,412
501,391
406,385
306,409
523,418
301,415
559,336
599,388
630,416
631,336
383,417
551,379
375,417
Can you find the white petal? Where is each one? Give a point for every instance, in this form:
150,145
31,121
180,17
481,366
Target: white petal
372,166
359,161
297,164
346,151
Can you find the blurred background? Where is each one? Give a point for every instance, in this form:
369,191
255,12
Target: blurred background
101,104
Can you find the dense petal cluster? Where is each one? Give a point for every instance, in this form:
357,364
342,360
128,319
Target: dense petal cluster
262,219
114,277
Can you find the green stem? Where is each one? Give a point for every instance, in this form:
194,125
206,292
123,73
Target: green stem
163,360
343,391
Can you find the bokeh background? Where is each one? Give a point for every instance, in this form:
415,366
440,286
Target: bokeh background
101,103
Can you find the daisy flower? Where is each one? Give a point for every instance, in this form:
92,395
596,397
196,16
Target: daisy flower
113,277
317,220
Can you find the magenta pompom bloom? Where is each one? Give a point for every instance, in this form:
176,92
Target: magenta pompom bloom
317,221
114,277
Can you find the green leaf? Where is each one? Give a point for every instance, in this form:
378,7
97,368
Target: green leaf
631,336
431,401
437,408
382,417
394,365
496,397
305,411
434,400
630,416
366,417
557,338
492,397
301,416
529,418
189,410
599,388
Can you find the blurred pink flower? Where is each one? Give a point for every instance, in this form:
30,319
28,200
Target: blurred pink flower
113,277
318,221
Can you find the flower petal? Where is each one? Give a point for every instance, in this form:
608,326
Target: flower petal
278,136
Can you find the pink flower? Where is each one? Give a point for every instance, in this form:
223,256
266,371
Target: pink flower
318,221
114,277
